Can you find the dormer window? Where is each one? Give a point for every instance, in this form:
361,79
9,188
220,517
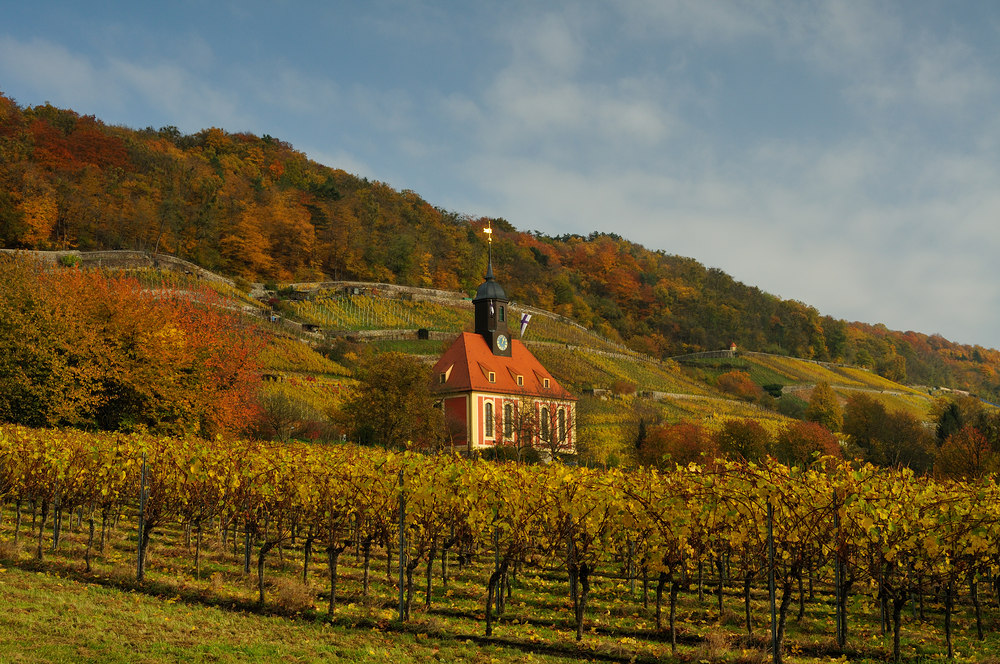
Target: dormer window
442,378
492,377
520,381
545,383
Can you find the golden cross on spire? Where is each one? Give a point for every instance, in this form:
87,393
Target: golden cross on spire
489,230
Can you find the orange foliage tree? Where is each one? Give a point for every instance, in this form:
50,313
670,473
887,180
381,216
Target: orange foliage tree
80,348
797,445
740,385
966,453
682,443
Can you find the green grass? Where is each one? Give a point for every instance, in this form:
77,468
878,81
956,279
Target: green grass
49,618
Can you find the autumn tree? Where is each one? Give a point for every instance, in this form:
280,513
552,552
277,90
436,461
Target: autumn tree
79,348
955,414
966,453
800,443
45,378
556,429
824,408
740,385
894,439
743,439
685,442
392,405
283,416
257,208
643,417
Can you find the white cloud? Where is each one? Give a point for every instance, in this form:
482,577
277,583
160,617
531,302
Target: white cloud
51,71
174,92
293,90
345,161
550,44
948,76
91,84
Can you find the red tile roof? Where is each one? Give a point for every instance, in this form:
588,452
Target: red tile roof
469,361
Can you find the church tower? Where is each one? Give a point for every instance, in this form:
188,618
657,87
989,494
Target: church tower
491,313
490,305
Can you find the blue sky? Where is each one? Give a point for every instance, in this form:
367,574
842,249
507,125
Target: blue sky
845,154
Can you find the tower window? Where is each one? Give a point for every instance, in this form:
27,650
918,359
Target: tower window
502,314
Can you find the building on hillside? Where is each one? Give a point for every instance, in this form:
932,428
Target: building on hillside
495,393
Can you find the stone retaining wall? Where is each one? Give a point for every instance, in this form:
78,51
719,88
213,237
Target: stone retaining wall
124,260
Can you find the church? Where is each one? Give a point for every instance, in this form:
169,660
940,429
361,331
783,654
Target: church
495,393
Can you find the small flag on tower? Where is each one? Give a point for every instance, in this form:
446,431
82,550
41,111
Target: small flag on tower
524,322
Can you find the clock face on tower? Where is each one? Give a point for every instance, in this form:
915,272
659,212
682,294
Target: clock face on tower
502,342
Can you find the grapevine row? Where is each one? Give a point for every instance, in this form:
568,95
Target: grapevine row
885,533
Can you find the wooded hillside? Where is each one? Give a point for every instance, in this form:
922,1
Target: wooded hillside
255,208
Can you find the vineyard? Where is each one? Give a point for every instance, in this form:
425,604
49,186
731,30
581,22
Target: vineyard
284,354
583,367
167,280
339,312
336,311
621,566
803,371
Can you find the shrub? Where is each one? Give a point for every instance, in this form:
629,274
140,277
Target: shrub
798,443
774,389
966,453
10,551
824,408
743,439
740,385
623,387
682,443
292,595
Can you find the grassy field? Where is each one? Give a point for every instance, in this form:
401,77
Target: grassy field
71,620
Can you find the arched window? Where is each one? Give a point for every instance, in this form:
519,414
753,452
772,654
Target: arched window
561,419
488,414
508,419
545,424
